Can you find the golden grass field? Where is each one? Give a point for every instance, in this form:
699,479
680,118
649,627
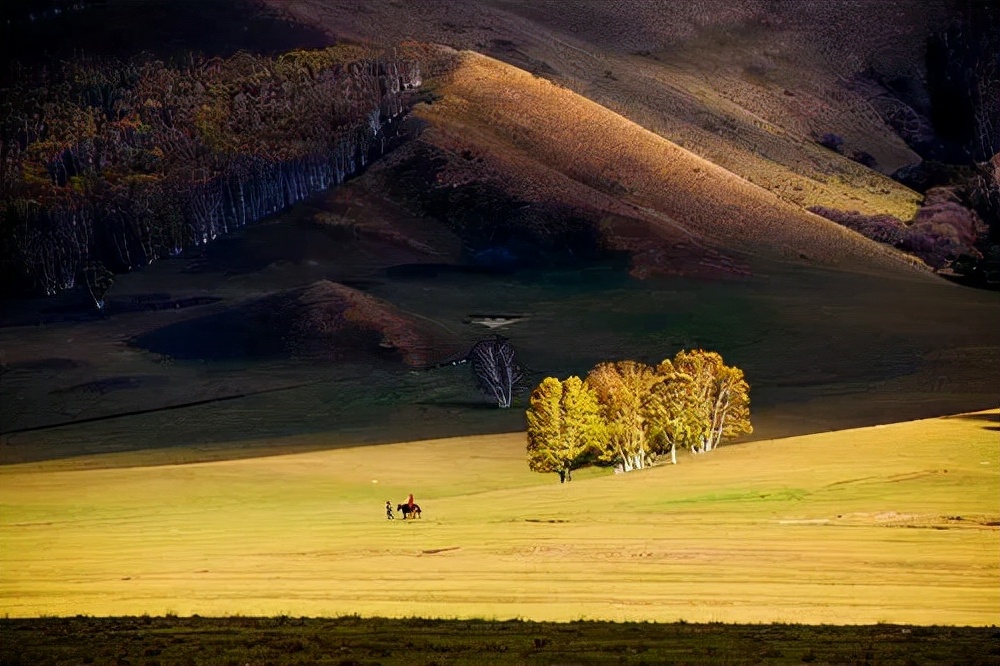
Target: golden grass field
897,524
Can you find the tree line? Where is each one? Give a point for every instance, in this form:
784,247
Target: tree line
628,413
106,164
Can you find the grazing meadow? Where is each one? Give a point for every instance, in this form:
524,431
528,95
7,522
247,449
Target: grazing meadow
894,524
199,474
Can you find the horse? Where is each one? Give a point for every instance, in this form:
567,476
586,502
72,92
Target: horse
406,510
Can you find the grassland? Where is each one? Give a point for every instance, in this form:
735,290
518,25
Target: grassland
700,139
747,87
894,524
561,140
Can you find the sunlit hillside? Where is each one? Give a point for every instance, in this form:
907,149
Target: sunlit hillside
749,86
543,142
894,524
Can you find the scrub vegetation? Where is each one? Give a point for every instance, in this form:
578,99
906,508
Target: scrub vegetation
283,640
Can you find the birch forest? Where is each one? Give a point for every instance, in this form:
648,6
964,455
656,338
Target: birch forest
107,165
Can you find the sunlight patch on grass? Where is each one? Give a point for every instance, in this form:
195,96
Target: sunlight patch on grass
841,527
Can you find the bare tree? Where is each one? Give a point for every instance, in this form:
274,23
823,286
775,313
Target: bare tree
99,281
495,363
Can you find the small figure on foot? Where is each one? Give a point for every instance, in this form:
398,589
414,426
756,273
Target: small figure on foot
388,511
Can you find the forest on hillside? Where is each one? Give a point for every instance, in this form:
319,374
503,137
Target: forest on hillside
107,164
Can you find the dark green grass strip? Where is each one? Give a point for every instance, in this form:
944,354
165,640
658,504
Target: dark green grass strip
356,641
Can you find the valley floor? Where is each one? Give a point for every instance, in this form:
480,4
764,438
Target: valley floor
892,524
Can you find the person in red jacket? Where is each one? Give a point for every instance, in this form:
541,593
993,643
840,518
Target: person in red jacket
409,502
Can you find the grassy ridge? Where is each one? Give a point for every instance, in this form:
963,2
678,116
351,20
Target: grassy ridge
353,640
887,524
709,76
488,103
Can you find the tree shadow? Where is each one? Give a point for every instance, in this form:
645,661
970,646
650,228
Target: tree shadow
982,417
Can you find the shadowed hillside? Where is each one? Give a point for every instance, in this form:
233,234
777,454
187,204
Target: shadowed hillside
323,322
41,30
606,180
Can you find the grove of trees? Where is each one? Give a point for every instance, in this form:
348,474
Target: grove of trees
106,165
628,413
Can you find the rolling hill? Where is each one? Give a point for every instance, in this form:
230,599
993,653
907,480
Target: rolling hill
624,179
541,143
749,87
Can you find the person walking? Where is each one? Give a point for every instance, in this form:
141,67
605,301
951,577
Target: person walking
388,511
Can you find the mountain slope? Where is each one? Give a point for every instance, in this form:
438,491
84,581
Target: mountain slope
749,86
542,143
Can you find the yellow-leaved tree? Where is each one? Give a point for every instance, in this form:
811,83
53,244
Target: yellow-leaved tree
564,426
622,390
627,412
722,390
676,417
